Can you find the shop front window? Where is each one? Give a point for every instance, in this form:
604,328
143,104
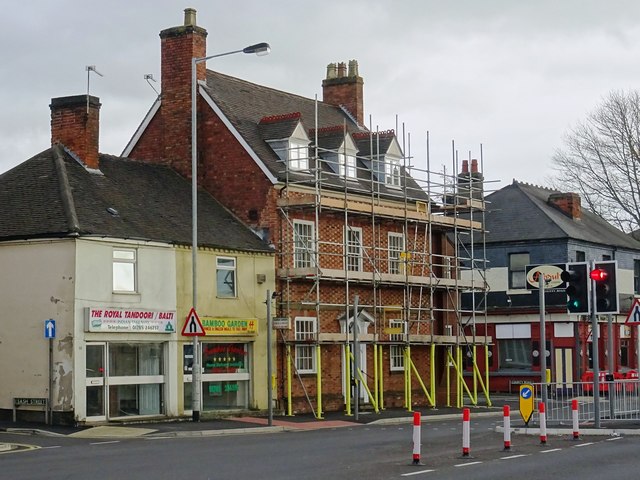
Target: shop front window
136,379
225,376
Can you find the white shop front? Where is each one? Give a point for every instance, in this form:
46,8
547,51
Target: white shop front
128,356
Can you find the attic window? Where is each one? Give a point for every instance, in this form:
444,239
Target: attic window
392,171
347,165
298,155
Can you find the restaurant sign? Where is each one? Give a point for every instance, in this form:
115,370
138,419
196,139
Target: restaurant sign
229,326
101,319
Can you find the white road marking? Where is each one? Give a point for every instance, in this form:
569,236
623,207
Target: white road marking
514,456
552,450
583,445
416,473
614,438
467,464
104,443
52,446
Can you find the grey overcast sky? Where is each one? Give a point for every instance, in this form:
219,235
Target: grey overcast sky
513,76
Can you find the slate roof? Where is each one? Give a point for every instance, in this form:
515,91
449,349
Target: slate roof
245,104
53,195
520,212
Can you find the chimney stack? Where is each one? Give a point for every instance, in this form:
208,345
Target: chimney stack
75,123
345,88
568,203
178,46
470,183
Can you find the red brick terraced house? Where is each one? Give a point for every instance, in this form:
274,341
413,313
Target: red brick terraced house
348,222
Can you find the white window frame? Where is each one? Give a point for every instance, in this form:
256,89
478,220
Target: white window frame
392,171
396,352
303,252
228,265
517,270
347,165
124,262
353,247
298,155
305,355
395,242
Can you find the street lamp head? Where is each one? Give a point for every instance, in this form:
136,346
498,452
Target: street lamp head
259,49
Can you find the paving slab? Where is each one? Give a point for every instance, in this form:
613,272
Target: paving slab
108,431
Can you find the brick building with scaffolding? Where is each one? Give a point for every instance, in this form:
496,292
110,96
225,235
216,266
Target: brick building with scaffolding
355,227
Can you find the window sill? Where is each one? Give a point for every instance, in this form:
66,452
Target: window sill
126,297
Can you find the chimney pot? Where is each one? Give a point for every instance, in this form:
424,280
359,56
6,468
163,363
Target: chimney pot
353,68
332,71
190,17
474,166
465,166
342,70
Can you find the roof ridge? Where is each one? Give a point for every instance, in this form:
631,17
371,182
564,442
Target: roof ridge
382,133
65,189
280,117
517,182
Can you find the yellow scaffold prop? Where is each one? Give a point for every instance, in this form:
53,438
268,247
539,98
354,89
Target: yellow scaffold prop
454,359
410,367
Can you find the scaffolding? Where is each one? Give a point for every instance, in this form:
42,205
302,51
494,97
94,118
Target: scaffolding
402,239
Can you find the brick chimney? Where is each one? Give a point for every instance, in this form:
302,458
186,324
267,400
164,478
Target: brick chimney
569,203
178,46
342,87
470,183
75,123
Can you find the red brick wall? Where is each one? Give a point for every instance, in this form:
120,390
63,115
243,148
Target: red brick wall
347,91
168,138
76,124
149,146
228,172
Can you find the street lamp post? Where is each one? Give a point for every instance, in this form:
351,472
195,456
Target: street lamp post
258,49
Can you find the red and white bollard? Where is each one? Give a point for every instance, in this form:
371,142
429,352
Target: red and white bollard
466,432
574,415
416,438
543,423
507,427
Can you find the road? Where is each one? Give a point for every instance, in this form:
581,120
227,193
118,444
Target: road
371,452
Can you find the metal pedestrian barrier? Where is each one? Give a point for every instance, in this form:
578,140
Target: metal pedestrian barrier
619,400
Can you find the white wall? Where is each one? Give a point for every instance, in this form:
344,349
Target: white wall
156,274
37,282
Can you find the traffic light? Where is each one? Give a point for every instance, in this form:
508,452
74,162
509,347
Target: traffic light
604,276
577,287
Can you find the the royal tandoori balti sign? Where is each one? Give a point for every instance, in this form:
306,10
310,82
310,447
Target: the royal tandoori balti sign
229,326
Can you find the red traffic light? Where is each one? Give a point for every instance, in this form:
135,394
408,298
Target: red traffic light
599,275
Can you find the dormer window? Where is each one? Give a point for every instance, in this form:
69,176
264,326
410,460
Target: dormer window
347,164
392,171
298,155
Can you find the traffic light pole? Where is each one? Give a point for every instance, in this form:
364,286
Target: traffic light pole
543,341
595,354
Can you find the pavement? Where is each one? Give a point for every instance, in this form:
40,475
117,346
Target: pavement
247,424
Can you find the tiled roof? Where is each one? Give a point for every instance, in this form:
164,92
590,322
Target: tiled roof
53,195
520,212
246,104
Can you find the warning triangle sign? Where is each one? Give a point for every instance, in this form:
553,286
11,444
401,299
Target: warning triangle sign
193,327
634,314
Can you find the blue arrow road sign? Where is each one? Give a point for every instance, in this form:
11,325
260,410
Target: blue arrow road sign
525,393
50,328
